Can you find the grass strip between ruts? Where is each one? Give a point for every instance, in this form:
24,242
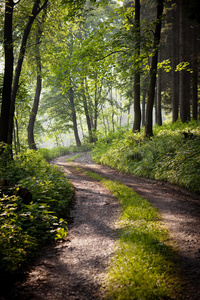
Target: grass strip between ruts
144,264
71,158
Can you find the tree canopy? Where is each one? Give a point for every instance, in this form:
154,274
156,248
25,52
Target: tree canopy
88,67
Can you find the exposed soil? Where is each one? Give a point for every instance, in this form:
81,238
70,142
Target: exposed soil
75,268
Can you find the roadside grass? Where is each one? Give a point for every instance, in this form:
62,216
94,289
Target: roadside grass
49,154
72,158
144,265
172,154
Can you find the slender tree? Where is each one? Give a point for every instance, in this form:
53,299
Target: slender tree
153,70
158,97
87,114
8,71
74,118
36,9
182,76
137,109
194,75
32,118
175,55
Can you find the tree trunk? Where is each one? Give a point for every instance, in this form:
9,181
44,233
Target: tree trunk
8,72
90,104
195,76
87,117
143,106
74,119
33,114
159,107
182,76
137,109
104,121
17,135
113,111
32,118
15,140
153,70
175,54
96,105
188,94
35,11
155,104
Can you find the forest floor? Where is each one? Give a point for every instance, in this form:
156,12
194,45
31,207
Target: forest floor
75,268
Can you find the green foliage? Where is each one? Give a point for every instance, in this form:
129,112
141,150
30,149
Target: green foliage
168,155
27,224
73,157
143,264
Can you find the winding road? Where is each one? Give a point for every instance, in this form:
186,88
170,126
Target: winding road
75,268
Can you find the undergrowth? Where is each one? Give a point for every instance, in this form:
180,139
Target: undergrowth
172,154
72,158
27,223
143,266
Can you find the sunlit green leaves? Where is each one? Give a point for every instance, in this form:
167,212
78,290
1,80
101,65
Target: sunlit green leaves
165,65
25,226
167,156
184,66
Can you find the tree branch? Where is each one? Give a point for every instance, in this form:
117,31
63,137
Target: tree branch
15,3
118,51
33,44
43,6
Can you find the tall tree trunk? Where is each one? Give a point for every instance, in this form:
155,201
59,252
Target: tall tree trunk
74,119
34,110
188,94
31,141
82,131
15,139
158,94
17,146
95,107
35,11
32,118
194,75
8,71
143,106
104,121
97,96
121,110
182,76
175,54
90,104
87,115
113,111
137,109
155,104
153,70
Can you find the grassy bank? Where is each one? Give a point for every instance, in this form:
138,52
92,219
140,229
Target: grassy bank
143,266
172,154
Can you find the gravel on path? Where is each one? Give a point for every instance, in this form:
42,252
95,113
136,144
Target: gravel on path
75,268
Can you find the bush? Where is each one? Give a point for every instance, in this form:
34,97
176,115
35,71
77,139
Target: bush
27,225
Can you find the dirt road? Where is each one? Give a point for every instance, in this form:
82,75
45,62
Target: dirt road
75,268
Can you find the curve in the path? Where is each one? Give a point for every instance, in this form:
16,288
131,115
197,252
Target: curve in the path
75,269
180,212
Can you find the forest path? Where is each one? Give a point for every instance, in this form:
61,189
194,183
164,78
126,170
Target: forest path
75,268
